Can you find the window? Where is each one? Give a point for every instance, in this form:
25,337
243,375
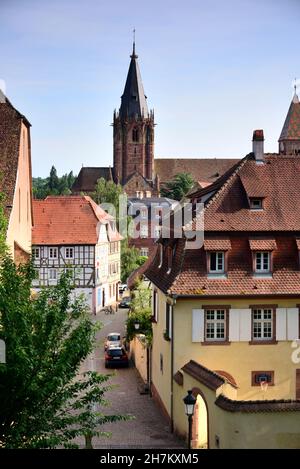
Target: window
161,363
259,377
262,324
135,135
144,213
144,252
215,325
256,204
69,253
52,253
169,258
216,262
35,253
168,332
52,274
157,231
144,231
262,262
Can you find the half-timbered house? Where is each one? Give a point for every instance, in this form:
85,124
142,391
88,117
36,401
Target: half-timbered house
73,234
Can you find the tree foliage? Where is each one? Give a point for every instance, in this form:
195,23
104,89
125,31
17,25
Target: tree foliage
140,311
130,261
178,187
108,192
44,401
53,185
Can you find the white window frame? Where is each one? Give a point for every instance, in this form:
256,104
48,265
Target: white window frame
68,250
144,252
53,250
217,270
34,251
50,274
263,322
212,318
144,231
260,255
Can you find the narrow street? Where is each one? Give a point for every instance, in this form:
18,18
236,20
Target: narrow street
149,429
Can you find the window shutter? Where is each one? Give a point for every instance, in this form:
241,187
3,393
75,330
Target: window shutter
280,323
245,325
292,323
234,325
198,325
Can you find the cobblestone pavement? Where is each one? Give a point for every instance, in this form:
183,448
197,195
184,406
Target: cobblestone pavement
149,429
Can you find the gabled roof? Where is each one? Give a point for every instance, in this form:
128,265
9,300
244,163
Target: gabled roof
206,170
277,181
227,215
67,220
291,127
10,134
88,177
133,100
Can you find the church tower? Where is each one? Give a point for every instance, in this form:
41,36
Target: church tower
133,135
289,140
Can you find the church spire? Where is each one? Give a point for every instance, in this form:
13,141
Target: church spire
133,100
289,140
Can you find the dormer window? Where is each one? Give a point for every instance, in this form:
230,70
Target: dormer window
263,262
216,262
256,203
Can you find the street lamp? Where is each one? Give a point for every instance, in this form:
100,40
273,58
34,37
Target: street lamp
136,325
189,402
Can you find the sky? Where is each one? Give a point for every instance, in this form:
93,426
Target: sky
213,71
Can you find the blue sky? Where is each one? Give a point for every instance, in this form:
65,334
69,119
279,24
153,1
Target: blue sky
213,71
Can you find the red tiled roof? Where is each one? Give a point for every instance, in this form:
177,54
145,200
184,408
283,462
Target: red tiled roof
279,405
228,209
202,169
227,214
217,244
67,220
202,374
262,244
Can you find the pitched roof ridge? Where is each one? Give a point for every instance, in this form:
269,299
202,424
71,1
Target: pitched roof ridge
227,181
222,187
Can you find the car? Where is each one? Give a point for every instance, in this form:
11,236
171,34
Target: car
122,287
114,338
125,302
116,356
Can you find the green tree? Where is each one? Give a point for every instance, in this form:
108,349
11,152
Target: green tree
52,185
108,192
130,261
44,402
178,187
140,311
53,180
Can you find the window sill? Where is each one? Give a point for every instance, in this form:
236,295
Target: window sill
215,342
217,276
262,275
263,342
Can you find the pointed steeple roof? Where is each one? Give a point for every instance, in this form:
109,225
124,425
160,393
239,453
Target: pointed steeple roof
291,127
133,100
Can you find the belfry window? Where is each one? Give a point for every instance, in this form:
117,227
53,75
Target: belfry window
135,135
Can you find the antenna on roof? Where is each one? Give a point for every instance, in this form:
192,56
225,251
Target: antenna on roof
295,98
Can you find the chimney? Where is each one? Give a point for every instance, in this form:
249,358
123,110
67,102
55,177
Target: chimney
258,145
